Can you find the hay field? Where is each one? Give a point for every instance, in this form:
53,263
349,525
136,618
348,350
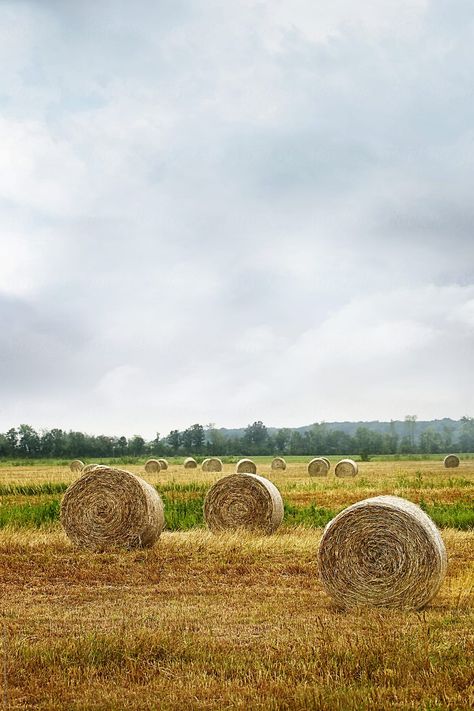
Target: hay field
226,621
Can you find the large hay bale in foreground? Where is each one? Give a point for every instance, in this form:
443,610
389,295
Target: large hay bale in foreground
163,463
76,466
190,463
452,460
245,466
318,467
346,467
110,508
243,501
278,464
212,464
152,466
382,552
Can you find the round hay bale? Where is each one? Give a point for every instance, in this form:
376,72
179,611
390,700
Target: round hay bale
346,467
76,466
152,466
382,552
91,467
318,467
328,462
190,463
452,460
245,466
163,463
212,464
110,508
278,464
243,501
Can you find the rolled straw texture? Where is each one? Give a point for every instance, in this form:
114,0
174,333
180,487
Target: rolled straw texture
212,464
382,552
452,460
245,466
163,463
346,467
318,467
76,465
152,466
243,501
190,463
110,508
278,464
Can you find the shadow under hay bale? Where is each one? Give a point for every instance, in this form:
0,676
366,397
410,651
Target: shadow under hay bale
109,508
243,501
152,466
212,464
346,467
318,467
382,552
245,466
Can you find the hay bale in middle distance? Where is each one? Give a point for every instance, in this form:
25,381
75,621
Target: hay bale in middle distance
111,508
76,466
318,467
278,464
452,460
190,463
163,463
346,467
152,466
245,466
212,464
243,501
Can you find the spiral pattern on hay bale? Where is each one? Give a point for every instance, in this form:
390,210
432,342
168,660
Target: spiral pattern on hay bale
190,463
278,464
245,466
111,508
452,460
318,467
163,463
212,464
243,501
152,466
76,466
382,552
346,467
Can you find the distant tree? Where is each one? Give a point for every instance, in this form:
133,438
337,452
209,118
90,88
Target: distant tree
136,446
255,439
29,443
282,440
174,441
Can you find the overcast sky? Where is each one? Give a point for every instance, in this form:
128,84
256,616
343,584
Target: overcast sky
227,211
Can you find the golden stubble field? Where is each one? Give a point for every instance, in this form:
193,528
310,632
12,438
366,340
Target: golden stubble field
230,621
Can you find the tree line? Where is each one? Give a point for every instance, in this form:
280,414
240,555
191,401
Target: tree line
25,442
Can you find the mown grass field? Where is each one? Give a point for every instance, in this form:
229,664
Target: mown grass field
230,621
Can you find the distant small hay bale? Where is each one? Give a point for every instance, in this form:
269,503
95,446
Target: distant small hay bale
91,467
328,462
212,464
245,466
110,508
76,466
163,463
243,501
278,464
382,552
318,467
190,463
152,466
451,461
346,467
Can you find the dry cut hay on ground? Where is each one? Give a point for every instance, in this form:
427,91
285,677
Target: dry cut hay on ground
278,464
190,463
163,463
152,466
76,466
346,467
452,460
245,466
243,501
318,467
382,552
111,508
212,464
